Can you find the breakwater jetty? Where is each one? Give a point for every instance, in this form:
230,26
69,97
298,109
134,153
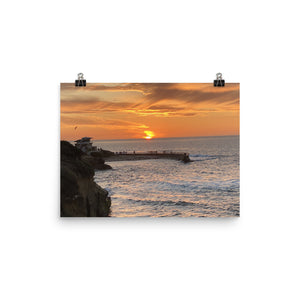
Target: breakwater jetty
124,155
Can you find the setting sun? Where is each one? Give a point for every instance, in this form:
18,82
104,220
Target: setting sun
148,110
149,135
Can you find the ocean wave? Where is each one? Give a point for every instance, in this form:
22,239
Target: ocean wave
163,203
202,157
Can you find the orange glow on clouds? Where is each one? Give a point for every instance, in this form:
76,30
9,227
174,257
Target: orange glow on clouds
130,110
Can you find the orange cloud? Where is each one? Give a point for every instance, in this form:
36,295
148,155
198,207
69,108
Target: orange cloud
130,108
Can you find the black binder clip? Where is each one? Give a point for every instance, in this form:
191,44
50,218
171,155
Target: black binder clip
80,81
219,81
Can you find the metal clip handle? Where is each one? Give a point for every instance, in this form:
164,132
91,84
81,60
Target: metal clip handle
219,81
80,81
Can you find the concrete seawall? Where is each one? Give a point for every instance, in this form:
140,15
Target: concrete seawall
140,156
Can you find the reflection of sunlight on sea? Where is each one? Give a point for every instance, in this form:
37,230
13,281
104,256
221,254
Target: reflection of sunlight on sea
209,186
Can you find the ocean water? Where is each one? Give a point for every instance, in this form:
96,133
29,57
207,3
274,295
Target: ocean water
206,187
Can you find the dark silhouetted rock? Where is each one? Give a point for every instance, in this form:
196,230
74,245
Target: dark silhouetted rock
102,153
80,195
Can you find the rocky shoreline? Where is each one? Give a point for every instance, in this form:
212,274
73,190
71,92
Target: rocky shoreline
80,195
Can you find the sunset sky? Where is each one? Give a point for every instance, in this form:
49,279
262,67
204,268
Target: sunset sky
146,110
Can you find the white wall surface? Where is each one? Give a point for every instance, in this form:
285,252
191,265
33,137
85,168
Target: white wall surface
48,42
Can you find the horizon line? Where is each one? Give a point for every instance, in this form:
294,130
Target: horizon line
172,137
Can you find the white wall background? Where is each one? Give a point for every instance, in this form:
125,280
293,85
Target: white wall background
48,42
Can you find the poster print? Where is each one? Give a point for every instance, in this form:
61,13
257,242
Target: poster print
150,150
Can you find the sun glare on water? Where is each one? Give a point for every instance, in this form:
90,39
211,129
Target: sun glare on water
149,135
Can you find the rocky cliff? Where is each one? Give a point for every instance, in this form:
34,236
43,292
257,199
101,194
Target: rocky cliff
80,195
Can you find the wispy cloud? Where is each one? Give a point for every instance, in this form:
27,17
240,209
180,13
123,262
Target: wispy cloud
78,120
161,99
129,109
